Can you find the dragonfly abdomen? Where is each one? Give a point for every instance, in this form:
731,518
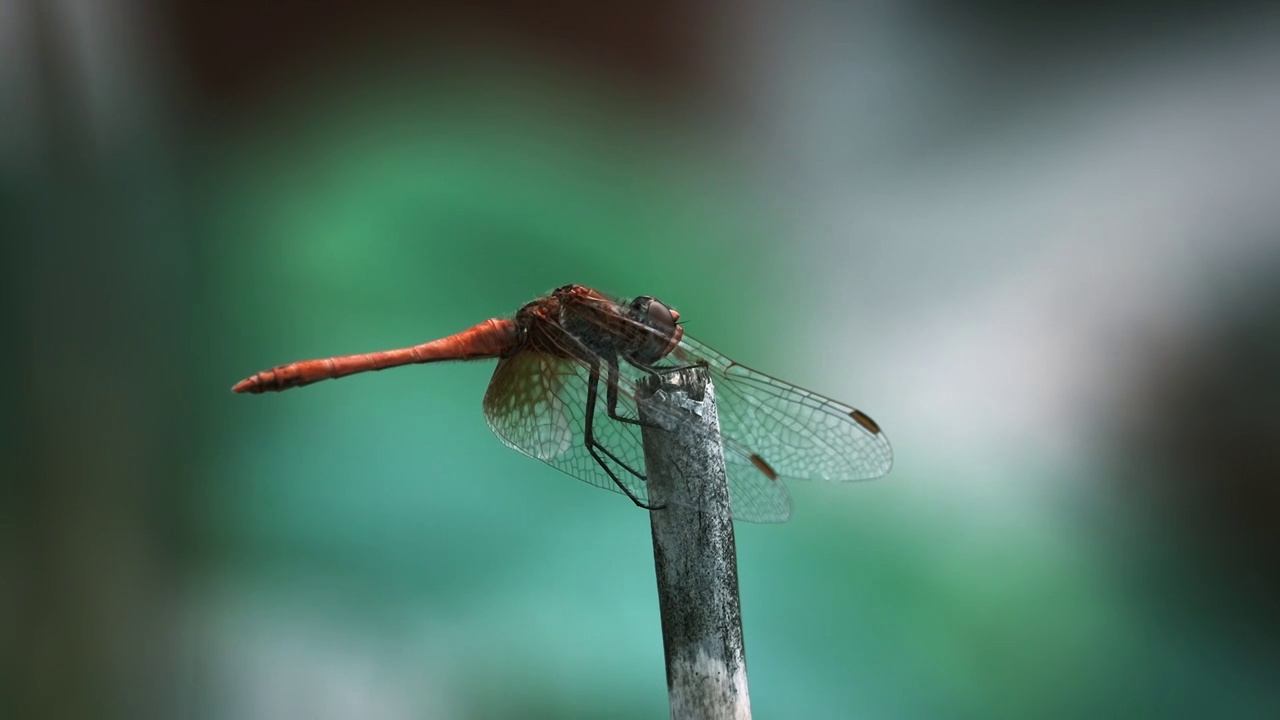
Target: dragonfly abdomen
489,339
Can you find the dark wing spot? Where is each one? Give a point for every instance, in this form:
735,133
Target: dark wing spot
865,421
764,467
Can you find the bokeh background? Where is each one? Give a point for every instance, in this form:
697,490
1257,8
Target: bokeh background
1039,243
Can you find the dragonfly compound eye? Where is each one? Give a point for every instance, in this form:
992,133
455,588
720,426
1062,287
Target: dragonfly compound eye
662,333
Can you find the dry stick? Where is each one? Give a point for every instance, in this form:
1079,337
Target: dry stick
693,548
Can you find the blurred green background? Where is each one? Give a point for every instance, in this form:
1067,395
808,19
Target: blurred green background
1040,245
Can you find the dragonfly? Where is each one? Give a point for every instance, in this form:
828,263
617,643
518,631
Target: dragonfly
566,389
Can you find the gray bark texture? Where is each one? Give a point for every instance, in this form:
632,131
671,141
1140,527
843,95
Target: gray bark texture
693,548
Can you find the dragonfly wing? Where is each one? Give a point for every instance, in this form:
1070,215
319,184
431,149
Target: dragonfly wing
753,495
537,404
775,428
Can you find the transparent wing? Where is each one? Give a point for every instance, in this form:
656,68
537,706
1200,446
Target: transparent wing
774,427
537,404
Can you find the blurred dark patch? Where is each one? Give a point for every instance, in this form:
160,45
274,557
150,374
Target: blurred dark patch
1007,61
100,343
1012,30
236,51
1204,452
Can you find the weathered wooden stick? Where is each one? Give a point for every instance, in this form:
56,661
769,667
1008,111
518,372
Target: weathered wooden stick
693,548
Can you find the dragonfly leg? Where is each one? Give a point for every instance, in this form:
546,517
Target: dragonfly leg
611,400
593,445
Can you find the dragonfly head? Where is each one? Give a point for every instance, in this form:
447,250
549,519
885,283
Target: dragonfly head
661,330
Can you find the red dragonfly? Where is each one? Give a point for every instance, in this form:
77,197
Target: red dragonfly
564,392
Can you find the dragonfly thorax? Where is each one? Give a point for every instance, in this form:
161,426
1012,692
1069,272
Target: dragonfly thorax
581,322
